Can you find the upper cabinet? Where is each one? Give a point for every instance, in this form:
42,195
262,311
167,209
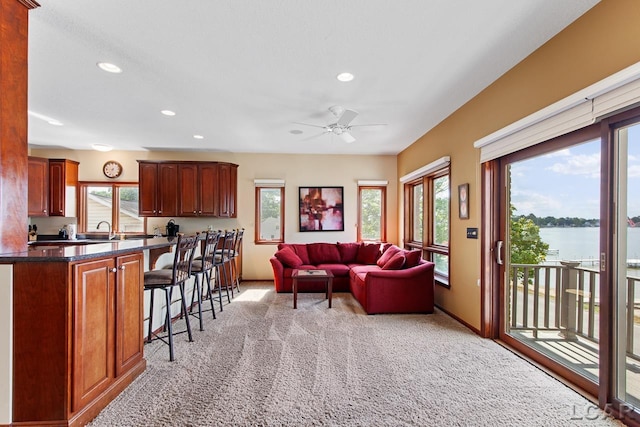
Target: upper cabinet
157,183
53,187
228,189
38,192
63,185
197,189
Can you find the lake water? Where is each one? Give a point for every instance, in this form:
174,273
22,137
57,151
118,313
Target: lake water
577,243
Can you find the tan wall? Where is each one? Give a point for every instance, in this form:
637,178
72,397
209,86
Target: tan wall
603,41
296,170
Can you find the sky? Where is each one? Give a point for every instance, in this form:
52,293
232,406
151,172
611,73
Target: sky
566,183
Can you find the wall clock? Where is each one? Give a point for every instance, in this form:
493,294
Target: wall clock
112,169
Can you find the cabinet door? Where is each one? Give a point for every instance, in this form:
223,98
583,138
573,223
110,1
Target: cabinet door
38,192
56,188
188,204
167,189
93,330
224,183
148,188
129,312
208,189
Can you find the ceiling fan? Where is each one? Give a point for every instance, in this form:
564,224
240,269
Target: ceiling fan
342,126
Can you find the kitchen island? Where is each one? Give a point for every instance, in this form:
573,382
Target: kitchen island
75,327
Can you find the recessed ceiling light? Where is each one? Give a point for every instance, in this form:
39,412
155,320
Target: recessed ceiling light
345,77
109,68
168,112
295,131
55,123
198,137
102,147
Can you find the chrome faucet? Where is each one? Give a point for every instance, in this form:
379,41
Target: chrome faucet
111,235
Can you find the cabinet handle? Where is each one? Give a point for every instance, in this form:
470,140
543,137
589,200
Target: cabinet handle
44,211
154,211
122,267
159,212
113,270
199,212
194,212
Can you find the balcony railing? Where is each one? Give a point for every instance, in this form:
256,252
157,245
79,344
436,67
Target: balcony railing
563,298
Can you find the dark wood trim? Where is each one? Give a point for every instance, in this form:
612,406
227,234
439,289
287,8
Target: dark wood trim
258,208
459,320
606,374
490,234
383,214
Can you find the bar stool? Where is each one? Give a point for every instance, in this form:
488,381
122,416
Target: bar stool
220,263
202,266
235,253
166,280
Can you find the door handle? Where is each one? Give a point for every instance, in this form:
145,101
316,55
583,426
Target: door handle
499,245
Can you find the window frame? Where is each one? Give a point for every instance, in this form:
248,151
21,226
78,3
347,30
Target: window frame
258,209
83,187
383,213
426,244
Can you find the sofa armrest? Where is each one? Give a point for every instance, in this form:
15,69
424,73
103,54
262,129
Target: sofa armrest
278,273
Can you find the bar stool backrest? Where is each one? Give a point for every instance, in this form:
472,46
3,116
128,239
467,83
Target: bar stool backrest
229,243
185,249
238,242
209,252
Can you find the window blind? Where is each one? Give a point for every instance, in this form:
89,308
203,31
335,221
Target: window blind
576,111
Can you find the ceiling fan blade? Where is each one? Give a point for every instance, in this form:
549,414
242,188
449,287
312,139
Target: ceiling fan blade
347,137
309,124
368,124
313,136
347,117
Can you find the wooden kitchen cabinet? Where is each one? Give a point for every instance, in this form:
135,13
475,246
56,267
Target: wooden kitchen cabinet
38,187
228,189
198,183
158,188
82,344
198,189
63,187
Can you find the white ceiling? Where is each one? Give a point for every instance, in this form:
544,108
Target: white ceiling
242,73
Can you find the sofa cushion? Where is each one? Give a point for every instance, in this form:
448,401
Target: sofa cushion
288,257
348,252
299,249
323,253
395,263
337,269
368,253
386,255
412,258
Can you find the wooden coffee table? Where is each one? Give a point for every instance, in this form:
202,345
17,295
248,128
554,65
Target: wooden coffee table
312,276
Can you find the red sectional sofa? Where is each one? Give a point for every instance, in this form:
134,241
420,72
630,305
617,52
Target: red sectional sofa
383,278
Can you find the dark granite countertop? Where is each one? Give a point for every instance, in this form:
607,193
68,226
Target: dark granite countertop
69,252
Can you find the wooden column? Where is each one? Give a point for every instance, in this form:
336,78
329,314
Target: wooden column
14,28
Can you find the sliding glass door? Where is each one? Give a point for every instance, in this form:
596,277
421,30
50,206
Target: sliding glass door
551,220
626,139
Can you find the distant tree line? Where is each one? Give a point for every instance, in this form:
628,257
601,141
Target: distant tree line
551,221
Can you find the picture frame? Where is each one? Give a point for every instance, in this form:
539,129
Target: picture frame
321,209
463,201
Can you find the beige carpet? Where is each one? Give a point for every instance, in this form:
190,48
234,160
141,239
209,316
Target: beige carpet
261,363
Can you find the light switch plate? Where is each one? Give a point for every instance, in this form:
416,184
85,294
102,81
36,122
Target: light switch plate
472,233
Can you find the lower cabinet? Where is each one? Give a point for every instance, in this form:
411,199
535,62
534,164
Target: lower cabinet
90,345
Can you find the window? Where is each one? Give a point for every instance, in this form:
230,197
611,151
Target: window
115,203
269,215
430,195
372,221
